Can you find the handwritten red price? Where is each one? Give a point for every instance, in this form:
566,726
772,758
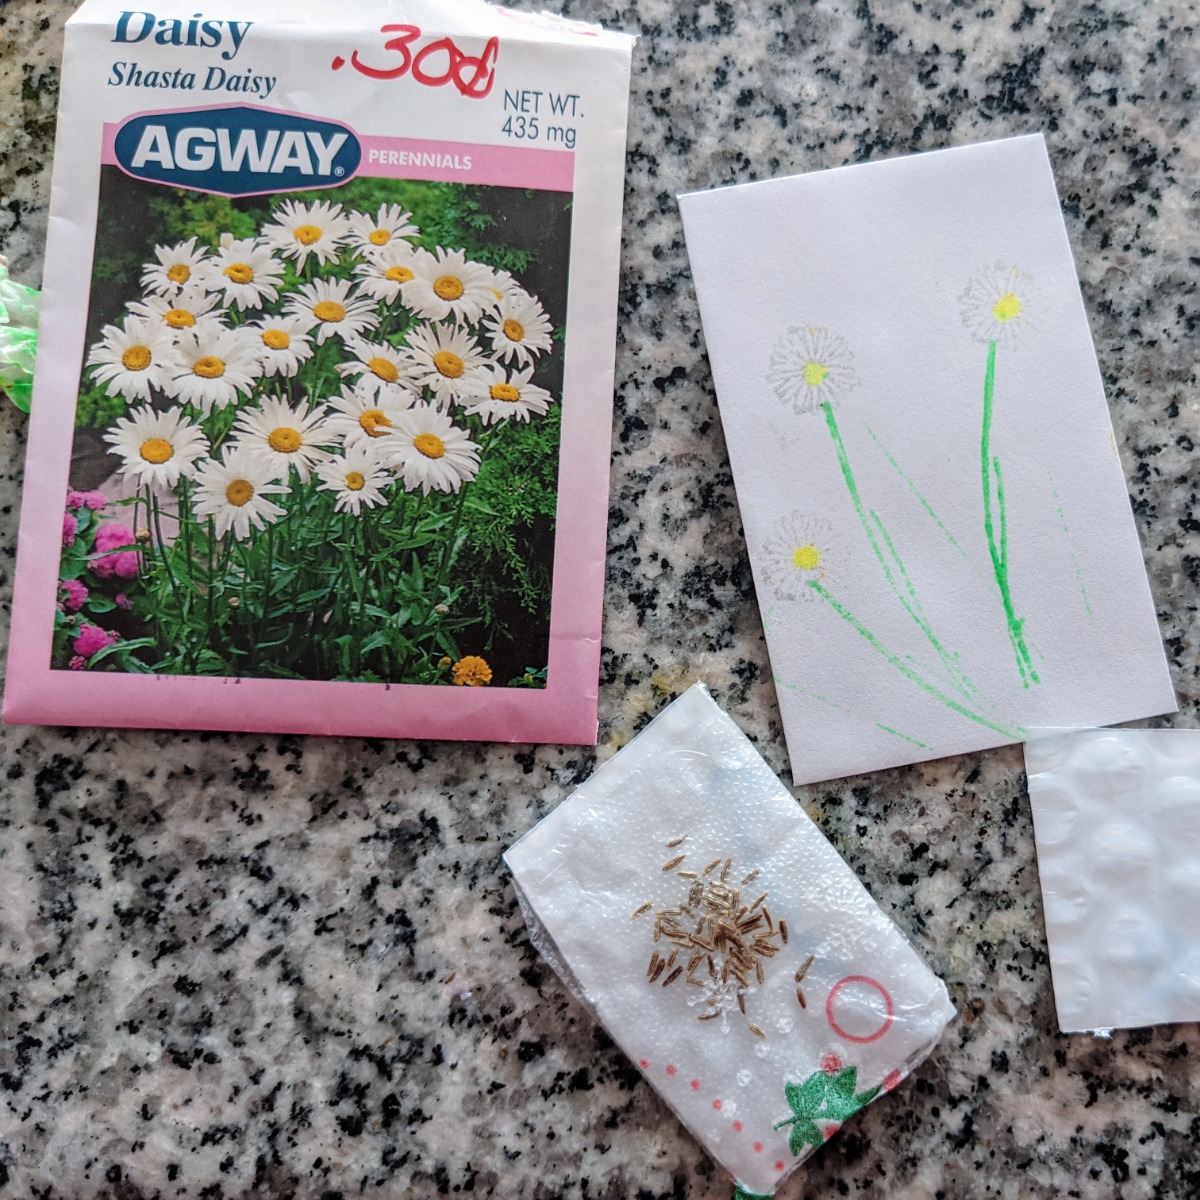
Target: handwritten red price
434,64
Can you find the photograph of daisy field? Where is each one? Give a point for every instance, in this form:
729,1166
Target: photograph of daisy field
317,435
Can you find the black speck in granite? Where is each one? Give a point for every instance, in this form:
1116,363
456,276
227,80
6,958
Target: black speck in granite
236,966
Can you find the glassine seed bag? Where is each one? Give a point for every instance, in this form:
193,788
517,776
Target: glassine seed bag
323,399
690,904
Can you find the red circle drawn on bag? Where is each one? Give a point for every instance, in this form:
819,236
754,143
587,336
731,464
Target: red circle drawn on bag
852,1037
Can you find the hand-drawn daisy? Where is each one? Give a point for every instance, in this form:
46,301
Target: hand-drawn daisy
810,365
796,555
493,394
359,415
331,306
284,437
443,356
157,449
177,267
391,273
133,357
236,492
996,304
282,343
189,307
217,365
431,452
371,234
303,229
448,284
518,328
357,477
378,366
245,272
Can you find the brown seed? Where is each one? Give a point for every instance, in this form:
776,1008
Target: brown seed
708,1016
637,912
783,931
671,960
754,1029
677,841
808,962
800,997
758,901
758,971
752,876
653,963
450,978
742,1002
767,914
674,862
658,970
674,975
716,862
725,869
687,874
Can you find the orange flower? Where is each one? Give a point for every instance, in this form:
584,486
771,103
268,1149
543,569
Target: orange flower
472,671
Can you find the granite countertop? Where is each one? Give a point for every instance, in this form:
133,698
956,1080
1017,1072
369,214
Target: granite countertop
277,966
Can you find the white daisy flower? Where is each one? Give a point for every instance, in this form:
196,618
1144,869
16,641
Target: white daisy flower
358,478
330,307
188,308
448,284
391,274
443,356
245,271
996,304
177,267
380,368
795,556
519,328
303,229
217,366
809,366
235,492
358,415
282,343
494,395
430,451
133,357
283,436
157,449
371,234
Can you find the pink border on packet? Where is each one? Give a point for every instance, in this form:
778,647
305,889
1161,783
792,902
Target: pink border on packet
563,712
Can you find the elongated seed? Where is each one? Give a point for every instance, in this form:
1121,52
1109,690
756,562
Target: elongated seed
808,962
716,862
754,1029
677,841
674,862
783,931
637,912
674,975
752,876
709,1015
800,997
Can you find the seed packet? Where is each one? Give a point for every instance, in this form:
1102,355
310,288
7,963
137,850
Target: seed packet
689,902
323,398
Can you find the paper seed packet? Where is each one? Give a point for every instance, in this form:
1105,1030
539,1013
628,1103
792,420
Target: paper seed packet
322,409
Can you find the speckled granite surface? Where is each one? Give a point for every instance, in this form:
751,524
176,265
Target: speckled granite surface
244,966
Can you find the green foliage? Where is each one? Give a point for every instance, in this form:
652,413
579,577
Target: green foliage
824,1096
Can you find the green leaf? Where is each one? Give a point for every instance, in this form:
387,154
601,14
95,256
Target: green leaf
806,1099
740,1193
118,648
804,1133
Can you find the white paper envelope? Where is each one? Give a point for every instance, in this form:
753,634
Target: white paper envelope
938,523
705,921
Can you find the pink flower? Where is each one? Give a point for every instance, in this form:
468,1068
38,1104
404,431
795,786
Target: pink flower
76,594
69,527
91,640
123,601
93,500
123,565
112,535
77,663
831,1064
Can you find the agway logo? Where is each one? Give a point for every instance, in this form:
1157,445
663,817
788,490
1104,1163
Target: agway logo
237,151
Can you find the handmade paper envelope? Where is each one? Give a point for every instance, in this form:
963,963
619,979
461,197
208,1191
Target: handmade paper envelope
937,518
690,903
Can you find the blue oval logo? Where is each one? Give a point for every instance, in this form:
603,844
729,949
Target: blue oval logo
237,151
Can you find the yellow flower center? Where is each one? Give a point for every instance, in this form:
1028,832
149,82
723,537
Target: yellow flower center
374,422
329,310
306,234
156,450
354,481
472,671
239,492
276,339
514,330
505,391
379,237
285,440
806,558
179,318
430,445
385,369
815,374
209,367
136,358
398,274
1007,307
449,287
240,272
179,273
448,364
